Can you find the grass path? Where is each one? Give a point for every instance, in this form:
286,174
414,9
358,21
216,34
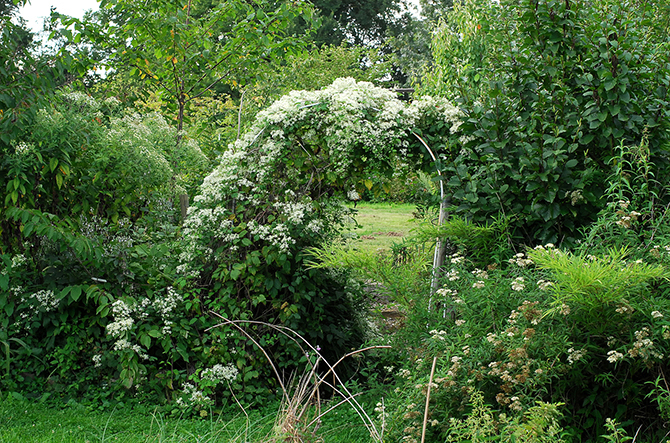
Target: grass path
383,224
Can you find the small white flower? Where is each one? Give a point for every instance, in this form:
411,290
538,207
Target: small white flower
518,284
614,356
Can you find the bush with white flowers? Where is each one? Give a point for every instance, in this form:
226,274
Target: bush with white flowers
281,188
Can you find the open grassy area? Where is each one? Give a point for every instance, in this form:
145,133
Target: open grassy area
382,224
25,421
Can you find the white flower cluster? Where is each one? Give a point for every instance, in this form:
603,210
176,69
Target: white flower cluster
453,275
294,211
574,356
446,292
518,284
112,102
438,335
123,322
456,259
23,148
195,397
167,304
643,346
80,99
278,234
343,123
380,409
124,344
219,373
520,260
46,299
480,274
614,356
17,261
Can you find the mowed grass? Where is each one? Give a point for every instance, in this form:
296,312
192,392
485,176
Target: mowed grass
381,225
24,421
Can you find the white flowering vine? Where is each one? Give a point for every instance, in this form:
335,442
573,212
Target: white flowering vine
283,183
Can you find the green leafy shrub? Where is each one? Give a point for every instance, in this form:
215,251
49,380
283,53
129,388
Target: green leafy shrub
541,137
550,326
143,298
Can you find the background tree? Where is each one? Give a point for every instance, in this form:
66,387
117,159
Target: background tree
434,10
182,51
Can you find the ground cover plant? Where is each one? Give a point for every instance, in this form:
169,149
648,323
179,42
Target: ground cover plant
29,421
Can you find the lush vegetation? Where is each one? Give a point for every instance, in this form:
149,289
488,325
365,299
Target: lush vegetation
179,230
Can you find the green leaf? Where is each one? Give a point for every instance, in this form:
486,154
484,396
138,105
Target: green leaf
145,341
75,293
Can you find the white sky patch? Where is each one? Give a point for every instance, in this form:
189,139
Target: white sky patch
37,10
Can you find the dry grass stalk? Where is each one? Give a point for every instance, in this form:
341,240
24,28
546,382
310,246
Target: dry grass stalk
291,425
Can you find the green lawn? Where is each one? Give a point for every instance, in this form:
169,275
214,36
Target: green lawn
27,421
382,224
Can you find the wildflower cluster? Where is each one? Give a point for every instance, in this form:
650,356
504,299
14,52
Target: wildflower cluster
220,373
625,217
127,315
520,260
518,284
193,398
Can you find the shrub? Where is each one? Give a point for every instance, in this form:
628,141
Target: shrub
551,326
542,137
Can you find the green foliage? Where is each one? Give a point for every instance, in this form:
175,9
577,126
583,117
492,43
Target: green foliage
551,326
591,282
540,424
88,223
483,245
541,138
27,80
355,22
402,276
185,50
82,157
460,50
